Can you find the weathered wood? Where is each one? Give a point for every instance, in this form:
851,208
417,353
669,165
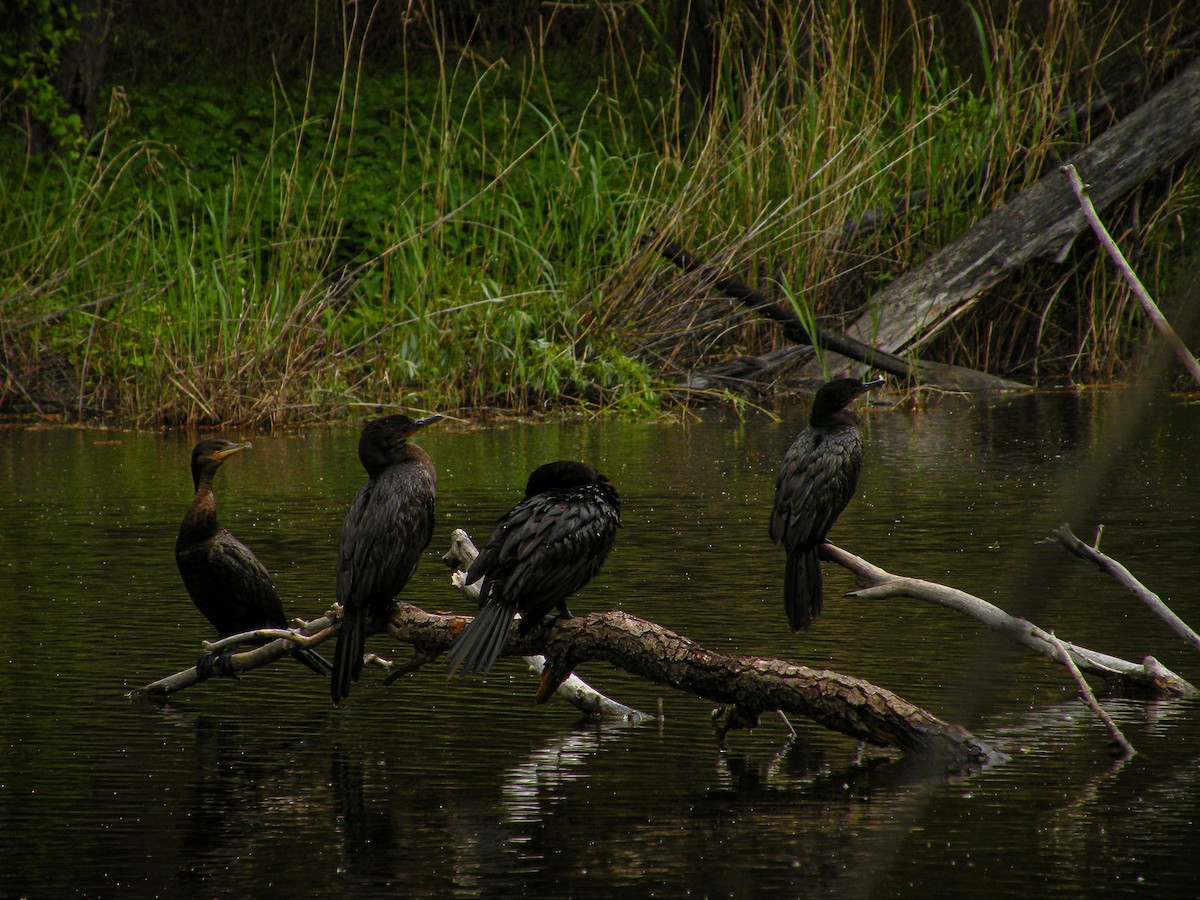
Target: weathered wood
314,633
750,685
1150,678
1073,545
1044,219
1089,698
754,685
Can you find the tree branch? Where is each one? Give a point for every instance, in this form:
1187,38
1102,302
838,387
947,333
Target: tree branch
1135,284
1151,677
313,633
754,685
1063,536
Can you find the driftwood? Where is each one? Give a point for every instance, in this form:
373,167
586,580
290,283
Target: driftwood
1149,678
752,685
1073,545
310,635
749,686
1042,220
929,373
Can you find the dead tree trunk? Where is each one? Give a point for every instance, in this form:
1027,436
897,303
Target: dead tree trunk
1042,220
750,685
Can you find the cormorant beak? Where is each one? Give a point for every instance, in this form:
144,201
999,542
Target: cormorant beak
231,449
874,382
418,424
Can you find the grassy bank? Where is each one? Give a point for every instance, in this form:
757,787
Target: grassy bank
459,230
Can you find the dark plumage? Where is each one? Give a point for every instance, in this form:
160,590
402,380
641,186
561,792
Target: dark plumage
547,547
388,525
230,587
817,479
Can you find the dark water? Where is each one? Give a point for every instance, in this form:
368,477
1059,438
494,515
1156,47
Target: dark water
430,788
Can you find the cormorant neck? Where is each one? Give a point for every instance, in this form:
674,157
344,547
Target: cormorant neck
201,519
844,416
376,465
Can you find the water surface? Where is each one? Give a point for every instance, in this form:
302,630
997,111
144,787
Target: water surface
437,788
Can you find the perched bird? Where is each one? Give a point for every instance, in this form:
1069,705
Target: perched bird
388,525
545,548
817,479
230,587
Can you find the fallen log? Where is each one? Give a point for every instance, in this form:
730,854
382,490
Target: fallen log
753,685
1042,220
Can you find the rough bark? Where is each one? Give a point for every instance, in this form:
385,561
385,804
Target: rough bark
754,685
750,685
1044,219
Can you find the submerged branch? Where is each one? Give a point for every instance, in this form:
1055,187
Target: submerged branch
1150,677
1085,693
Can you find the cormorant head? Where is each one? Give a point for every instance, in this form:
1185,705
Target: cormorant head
383,440
208,456
837,394
561,475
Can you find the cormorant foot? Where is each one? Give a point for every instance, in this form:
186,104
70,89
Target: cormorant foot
216,662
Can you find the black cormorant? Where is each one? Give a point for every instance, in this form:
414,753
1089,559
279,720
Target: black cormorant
230,587
545,548
817,479
388,525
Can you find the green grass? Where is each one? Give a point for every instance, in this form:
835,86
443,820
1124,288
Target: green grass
462,231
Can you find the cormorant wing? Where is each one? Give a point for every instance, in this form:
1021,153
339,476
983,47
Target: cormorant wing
382,539
817,478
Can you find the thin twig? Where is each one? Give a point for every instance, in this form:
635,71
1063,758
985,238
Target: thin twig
1135,284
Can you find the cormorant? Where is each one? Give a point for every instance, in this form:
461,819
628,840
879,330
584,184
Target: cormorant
230,587
388,525
817,479
545,548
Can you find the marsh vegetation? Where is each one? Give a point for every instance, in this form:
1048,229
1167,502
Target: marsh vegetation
414,205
